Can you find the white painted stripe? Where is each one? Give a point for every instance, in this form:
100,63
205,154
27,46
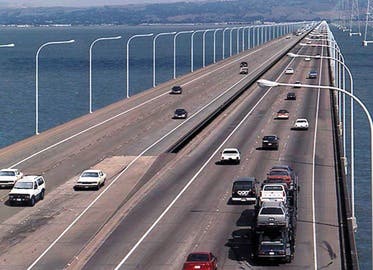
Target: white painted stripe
134,160
138,243
314,165
131,109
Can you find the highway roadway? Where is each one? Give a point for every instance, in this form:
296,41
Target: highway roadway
188,209
127,140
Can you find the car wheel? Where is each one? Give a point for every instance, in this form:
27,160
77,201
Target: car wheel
238,161
42,195
103,183
11,203
98,186
32,201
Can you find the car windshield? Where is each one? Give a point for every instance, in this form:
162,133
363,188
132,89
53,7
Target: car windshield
197,257
274,247
291,94
278,172
180,111
271,211
301,121
230,152
269,138
7,173
247,186
273,188
282,111
176,88
23,185
89,174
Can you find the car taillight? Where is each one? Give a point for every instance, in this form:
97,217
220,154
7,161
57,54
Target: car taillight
281,252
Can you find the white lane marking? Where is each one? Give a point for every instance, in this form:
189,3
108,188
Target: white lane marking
133,161
138,243
313,166
133,108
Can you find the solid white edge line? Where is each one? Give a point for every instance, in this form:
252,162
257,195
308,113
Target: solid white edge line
314,165
134,160
196,175
133,108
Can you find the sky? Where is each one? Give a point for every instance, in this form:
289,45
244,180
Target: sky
79,3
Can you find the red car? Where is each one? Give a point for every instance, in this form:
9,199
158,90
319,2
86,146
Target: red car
277,174
201,261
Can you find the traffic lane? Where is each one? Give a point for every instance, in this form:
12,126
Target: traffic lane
211,232
103,256
52,256
217,177
10,155
60,167
95,256
326,203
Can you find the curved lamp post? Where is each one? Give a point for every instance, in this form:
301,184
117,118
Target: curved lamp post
154,55
90,66
204,46
223,46
216,30
267,83
175,36
37,78
230,40
11,45
128,60
192,49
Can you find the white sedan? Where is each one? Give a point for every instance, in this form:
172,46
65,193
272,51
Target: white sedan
91,179
301,123
229,155
307,59
289,71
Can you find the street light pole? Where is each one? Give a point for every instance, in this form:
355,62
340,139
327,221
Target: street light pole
154,55
37,78
224,42
230,40
90,66
128,60
192,49
11,45
175,36
216,30
267,83
204,46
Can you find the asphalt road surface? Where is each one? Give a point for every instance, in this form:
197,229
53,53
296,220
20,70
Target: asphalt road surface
128,140
188,207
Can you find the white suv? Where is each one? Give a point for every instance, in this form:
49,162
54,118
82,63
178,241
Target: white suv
230,154
28,190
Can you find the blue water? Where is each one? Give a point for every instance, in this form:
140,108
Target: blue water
63,70
64,84
360,59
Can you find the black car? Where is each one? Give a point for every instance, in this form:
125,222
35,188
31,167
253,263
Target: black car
312,74
177,89
275,245
244,64
180,114
244,190
270,142
291,96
